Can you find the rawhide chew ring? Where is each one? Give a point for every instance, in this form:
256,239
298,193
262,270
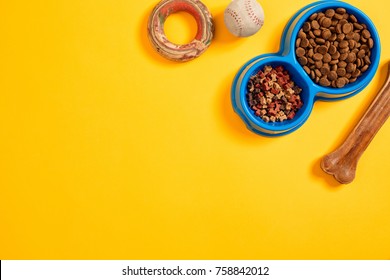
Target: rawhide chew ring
173,51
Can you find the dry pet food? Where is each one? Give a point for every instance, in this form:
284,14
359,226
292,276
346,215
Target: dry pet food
273,96
334,48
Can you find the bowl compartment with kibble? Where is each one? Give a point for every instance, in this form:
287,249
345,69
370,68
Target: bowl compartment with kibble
291,35
312,90
249,115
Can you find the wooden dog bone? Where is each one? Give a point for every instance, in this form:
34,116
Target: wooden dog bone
343,161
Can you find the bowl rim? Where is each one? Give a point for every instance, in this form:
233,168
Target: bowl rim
296,24
276,127
287,52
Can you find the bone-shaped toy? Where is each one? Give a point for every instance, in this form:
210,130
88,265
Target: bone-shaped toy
343,161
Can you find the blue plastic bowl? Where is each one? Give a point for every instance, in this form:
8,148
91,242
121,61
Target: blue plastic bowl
287,58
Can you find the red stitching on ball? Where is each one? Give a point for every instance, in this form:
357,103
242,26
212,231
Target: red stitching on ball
252,15
236,18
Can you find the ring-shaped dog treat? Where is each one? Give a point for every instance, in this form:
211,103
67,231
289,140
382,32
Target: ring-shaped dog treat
188,51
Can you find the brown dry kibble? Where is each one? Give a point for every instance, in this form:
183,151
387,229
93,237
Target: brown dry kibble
325,82
340,82
338,28
367,60
317,32
370,43
359,63
320,41
273,96
349,36
327,58
301,34
344,51
306,27
351,68
343,56
302,61
340,37
332,49
347,28
364,69
312,74
322,50
313,16
336,55
366,34
325,70
341,72
315,24
326,34
333,37
338,16
343,44
318,56
304,43
365,48
300,52
356,73
327,22
351,57
358,26
337,48
353,18
361,53
310,61
318,64
332,76
351,43
352,80
330,13
298,43
342,64
341,11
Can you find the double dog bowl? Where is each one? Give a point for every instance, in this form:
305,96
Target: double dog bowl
286,57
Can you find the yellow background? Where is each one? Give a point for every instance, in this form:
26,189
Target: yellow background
109,151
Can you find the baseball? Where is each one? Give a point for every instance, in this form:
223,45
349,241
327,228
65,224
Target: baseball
244,18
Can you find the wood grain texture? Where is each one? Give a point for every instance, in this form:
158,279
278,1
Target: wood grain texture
342,163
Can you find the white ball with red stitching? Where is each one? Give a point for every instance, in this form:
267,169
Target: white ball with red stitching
243,18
